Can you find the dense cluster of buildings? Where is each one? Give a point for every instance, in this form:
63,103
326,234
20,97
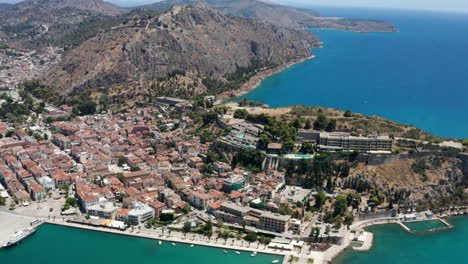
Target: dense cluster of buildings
19,66
29,169
124,167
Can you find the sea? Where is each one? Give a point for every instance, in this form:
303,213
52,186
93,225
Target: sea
53,244
392,245
417,76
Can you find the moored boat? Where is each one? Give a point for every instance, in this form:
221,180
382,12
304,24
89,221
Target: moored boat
275,261
19,236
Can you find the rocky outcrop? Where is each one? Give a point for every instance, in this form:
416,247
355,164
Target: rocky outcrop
176,53
281,15
443,173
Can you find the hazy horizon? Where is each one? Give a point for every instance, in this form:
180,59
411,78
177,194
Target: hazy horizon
447,5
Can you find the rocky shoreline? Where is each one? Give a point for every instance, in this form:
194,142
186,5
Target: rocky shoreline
257,79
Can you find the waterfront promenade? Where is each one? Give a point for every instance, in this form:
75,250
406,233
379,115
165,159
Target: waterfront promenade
195,239
12,222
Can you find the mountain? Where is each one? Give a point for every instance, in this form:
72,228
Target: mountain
186,51
92,6
4,5
29,24
281,15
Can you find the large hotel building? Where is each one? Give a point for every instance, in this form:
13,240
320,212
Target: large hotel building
347,142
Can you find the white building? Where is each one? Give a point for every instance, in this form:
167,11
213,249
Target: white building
139,213
103,210
47,182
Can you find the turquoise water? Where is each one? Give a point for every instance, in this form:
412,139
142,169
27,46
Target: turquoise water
394,245
418,76
425,225
57,245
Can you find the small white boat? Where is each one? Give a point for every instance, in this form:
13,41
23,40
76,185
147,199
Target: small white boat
225,252
275,261
253,254
191,246
159,242
173,244
237,252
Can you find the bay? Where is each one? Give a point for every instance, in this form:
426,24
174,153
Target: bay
417,76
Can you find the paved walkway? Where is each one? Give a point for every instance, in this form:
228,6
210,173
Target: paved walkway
196,239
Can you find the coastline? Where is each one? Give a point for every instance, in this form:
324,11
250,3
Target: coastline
255,81
174,238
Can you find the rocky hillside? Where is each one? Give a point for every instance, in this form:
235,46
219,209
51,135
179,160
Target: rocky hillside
28,23
281,15
184,52
428,177
91,6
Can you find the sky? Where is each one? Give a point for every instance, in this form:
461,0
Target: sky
441,5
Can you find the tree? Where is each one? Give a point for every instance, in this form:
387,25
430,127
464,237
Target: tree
219,223
347,113
87,108
135,168
207,228
348,219
308,124
243,223
340,205
251,237
167,217
71,201
263,141
307,147
285,210
354,199
241,114
9,133
320,199
321,122
331,126
288,144
187,227
297,123
122,161
330,185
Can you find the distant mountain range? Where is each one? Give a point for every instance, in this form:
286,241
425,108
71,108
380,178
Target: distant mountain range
186,51
281,15
174,47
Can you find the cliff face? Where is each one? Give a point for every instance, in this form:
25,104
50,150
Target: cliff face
437,176
175,52
285,16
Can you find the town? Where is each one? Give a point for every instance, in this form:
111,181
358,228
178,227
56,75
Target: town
181,166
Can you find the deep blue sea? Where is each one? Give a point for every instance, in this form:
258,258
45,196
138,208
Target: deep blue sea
418,76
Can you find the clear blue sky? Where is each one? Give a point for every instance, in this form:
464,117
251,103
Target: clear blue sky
442,5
